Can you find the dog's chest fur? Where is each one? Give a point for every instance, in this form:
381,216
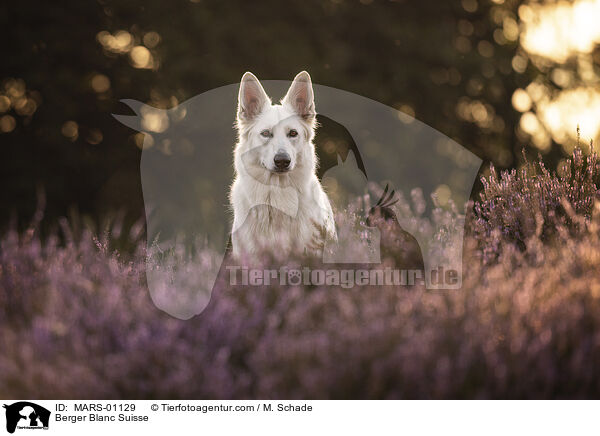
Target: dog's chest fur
278,220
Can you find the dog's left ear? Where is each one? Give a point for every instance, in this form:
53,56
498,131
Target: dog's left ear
252,98
300,97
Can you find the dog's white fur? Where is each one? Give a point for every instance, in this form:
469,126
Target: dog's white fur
283,212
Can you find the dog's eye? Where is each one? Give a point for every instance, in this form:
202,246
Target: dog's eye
265,133
292,133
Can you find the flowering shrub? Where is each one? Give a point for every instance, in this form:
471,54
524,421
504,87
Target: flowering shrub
517,205
77,321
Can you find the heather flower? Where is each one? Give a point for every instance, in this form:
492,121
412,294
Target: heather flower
77,320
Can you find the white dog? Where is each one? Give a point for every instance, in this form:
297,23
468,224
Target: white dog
277,200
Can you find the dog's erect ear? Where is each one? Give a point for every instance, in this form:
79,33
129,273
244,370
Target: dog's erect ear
300,96
252,97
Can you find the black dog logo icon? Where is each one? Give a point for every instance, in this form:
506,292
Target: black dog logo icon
26,415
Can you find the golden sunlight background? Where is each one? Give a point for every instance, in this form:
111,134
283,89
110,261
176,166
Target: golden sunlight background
558,38
554,35
496,76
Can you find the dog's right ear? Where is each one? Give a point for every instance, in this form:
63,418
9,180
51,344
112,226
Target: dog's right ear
252,98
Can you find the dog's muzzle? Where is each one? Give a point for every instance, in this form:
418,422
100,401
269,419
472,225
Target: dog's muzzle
282,162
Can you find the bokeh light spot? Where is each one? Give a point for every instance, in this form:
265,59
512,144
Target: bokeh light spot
140,57
4,103
529,123
151,39
94,136
521,101
469,5
7,124
485,49
100,83
70,129
143,141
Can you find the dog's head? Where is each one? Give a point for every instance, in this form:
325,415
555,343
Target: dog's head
276,140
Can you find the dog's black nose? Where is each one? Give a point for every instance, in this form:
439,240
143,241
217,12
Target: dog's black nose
282,161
